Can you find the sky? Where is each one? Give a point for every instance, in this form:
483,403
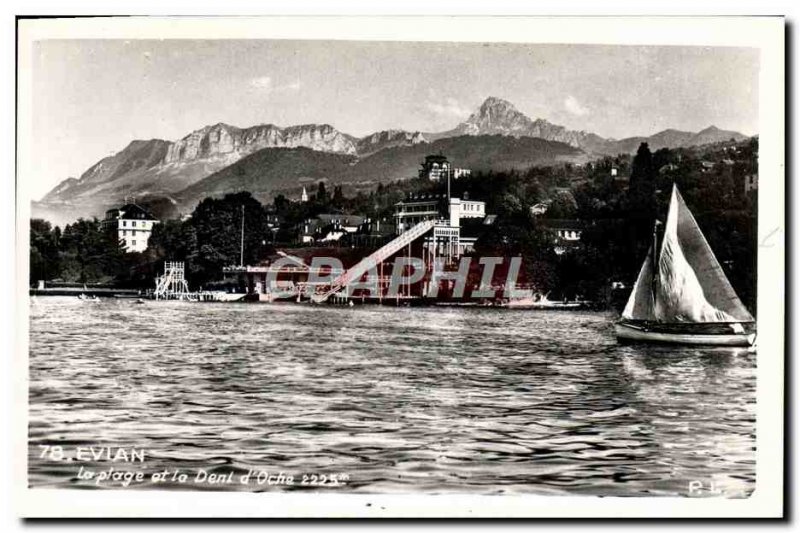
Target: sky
92,97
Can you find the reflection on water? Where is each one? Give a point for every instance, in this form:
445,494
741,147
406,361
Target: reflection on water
399,400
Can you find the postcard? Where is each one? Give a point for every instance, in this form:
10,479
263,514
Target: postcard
400,267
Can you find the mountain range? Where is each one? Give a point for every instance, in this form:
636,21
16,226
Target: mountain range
498,116
267,158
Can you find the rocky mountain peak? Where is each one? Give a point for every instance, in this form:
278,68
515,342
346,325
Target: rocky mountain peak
388,139
231,143
496,115
495,104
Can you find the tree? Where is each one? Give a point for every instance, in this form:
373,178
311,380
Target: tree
322,194
642,202
90,251
338,196
171,240
563,206
216,229
281,203
44,258
642,172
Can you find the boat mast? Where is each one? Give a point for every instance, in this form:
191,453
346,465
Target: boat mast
654,259
655,241
241,247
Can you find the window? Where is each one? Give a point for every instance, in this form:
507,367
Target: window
133,243
133,223
124,223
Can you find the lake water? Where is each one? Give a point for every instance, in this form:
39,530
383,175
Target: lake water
381,400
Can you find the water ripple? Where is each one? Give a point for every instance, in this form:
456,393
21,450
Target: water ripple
400,400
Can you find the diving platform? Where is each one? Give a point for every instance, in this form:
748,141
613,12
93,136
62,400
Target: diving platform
172,284
355,273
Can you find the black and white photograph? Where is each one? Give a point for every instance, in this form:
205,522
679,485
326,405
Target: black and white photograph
322,265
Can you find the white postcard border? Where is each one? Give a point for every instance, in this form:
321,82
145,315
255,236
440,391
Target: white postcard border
764,33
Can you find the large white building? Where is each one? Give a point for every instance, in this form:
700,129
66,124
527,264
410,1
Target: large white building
425,206
133,225
421,206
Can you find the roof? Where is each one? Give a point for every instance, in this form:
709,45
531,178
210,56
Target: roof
346,220
423,198
130,211
325,220
419,196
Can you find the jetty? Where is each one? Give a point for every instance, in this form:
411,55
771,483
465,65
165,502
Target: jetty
105,292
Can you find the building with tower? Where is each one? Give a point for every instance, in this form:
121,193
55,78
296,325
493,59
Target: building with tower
452,212
437,167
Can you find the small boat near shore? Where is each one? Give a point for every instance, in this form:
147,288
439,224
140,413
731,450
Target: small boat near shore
541,301
681,295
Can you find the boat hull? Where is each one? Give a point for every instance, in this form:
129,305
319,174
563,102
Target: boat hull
635,333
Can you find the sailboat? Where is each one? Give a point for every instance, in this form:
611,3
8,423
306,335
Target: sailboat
682,296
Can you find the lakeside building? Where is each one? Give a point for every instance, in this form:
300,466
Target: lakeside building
134,225
418,207
328,227
567,232
290,270
447,239
437,167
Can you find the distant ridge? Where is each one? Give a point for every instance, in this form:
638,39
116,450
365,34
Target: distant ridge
166,168
498,116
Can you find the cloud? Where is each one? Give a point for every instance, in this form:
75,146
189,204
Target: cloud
572,105
264,83
449,108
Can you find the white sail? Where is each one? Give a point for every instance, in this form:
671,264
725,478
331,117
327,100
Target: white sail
640,303
716,287
681,295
